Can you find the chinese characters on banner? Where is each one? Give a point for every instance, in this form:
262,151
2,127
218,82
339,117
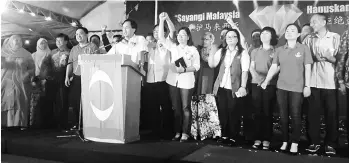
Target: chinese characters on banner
211,27
340,20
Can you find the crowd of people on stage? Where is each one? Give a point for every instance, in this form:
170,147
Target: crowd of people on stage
38,89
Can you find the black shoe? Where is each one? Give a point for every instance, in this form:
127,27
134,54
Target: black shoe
330,150
176,138
231,142
74,128
313,148
222,140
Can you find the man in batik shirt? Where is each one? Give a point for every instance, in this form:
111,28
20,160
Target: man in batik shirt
60,60
342,69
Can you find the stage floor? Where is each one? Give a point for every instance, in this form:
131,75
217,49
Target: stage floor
49,145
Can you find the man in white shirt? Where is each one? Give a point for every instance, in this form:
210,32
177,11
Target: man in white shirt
156,91
132,44
324,46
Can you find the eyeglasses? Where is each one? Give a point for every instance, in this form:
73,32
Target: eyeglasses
230,37
182,35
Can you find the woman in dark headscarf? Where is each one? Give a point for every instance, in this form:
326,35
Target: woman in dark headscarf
17,68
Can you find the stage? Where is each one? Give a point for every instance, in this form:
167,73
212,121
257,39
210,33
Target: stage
58,146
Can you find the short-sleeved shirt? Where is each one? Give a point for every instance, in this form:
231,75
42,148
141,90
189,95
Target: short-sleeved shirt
292,63
132,47
263,59
228,60
191,57
323,72
89,48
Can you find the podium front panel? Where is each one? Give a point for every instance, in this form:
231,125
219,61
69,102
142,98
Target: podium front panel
102,103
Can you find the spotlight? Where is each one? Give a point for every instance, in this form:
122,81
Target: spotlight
30,30
48,18
32,14
27,42
73,24
21,11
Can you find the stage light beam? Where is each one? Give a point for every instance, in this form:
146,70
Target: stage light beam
255,4
236,3
73,24
48,18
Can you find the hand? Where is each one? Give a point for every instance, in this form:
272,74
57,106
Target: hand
342,88
104,27
63,60
180,69
328,54
162,16
319,59
67,81
231,22
166,16
261,81
306,91
264,84
242,91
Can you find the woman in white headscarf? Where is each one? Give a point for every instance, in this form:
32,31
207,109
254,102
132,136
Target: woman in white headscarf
43,70
17,69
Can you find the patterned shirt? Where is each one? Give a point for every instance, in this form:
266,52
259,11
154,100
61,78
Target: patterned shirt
342,68
323,72
60,58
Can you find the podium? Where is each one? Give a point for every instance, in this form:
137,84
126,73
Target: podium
110,98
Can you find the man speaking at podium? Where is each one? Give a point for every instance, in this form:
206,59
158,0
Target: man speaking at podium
132,44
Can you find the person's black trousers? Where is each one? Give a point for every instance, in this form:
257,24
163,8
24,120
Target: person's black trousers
263,103
75,99
327,99
157,111
229,113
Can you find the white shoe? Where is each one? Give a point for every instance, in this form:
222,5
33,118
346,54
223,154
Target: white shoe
256,144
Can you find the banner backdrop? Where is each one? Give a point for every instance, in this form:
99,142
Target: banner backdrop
209,16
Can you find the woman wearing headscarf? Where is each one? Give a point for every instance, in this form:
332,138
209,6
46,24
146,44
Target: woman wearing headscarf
17,68
204,110
43,70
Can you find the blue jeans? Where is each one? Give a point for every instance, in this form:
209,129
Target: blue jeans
290,104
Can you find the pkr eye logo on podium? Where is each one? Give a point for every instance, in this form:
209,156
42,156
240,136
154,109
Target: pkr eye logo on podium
100,75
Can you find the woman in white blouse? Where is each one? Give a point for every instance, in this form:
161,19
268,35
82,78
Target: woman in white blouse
181,79
233,63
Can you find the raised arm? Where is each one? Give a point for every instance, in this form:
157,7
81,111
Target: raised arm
170,26
162,18
242,37
105,39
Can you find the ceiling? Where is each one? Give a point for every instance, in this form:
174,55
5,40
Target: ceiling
63,13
